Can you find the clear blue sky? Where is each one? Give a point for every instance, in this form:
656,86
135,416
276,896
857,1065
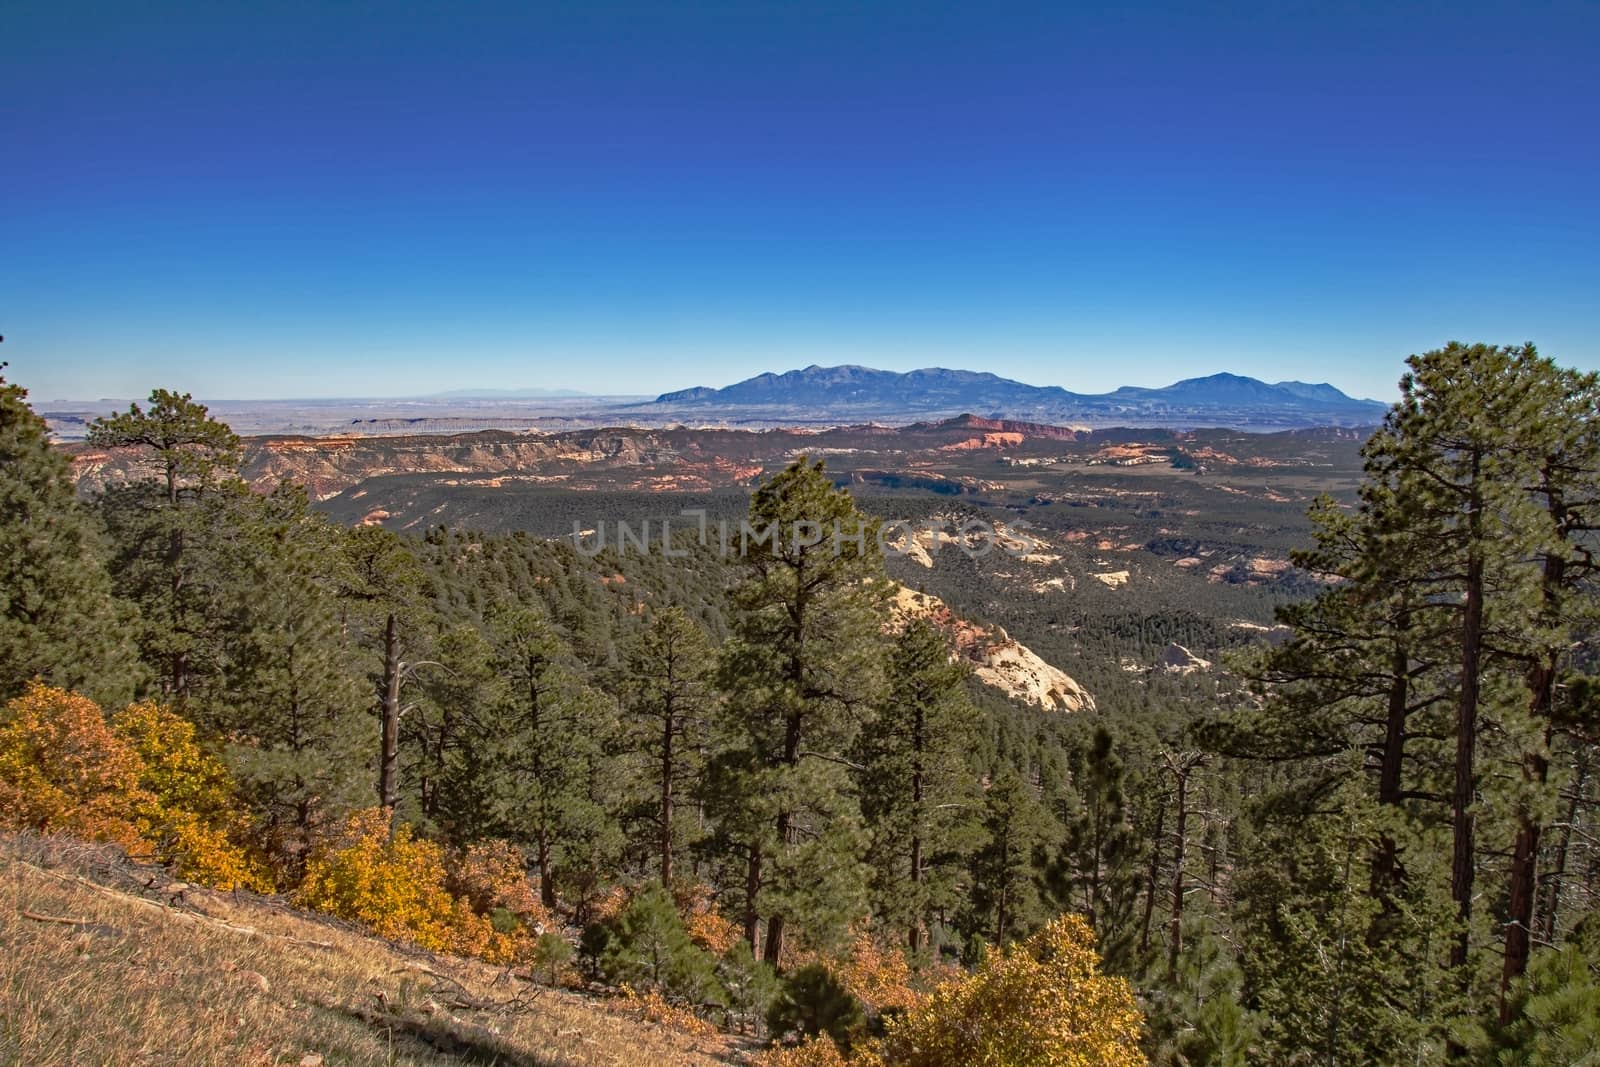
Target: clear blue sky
327,199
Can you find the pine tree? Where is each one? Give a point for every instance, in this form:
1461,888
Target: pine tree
803,671
1005,900
289,697
651,948
918,794
1567,453
1494,449
382,582
58,619
186,453
668,699
1436,661
542,748
437,737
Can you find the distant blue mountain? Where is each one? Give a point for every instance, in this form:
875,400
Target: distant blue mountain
851,391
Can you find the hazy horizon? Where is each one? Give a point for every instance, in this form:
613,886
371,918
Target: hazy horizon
511,394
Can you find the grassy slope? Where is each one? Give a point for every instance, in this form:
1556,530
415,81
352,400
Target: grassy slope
142,977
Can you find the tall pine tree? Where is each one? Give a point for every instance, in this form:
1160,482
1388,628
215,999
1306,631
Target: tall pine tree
58,619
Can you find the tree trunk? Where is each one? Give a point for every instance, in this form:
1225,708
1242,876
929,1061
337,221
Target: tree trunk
666,797
1550,919
1461,816
547,880
752,888
917,744
773,952
1386,877
1153,878
1179,847
1535,772
791,759
389,709
1519,912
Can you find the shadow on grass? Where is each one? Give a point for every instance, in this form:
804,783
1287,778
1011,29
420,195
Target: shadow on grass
438,1037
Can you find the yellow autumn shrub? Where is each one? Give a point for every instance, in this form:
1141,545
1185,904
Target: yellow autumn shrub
1041,1004
195,824
391,883
395,884
62,770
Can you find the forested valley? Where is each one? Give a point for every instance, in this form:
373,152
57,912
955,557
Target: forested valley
747,789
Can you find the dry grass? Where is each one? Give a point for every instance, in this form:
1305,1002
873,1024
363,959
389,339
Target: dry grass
137,975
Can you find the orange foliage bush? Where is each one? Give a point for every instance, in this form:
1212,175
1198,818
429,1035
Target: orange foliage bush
819,1051
653,1007
62,770
494,874
878,975
707,927
609,904
142,782
874,970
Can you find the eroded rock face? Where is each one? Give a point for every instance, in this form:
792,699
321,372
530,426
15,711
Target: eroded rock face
327,466
1179,660
997,660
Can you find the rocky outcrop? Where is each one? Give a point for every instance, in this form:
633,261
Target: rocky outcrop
1175,659
997,659
988,440
1257,571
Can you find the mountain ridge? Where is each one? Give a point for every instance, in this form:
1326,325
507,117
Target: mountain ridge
1222,399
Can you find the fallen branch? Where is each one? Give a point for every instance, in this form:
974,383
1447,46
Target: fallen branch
63,920
459,997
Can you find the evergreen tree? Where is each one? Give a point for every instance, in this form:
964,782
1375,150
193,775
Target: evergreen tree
542,748
803,671
186,453
668,698
1435,661
382,582
651,948
1005,901
1458,444
289,697
439,761
918,792
58,620
1096,873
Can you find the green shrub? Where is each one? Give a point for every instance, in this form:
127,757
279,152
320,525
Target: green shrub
650,948
811,1002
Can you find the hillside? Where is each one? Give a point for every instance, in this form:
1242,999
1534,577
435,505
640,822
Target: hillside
112,963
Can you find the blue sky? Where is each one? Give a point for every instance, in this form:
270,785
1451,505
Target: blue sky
279,200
